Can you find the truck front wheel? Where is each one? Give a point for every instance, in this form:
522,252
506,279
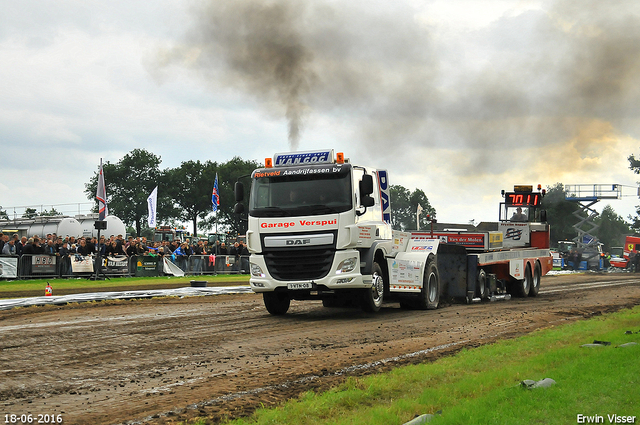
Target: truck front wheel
277,303
430,294
372,298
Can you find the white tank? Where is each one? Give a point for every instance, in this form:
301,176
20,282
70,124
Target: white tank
41,226
115,226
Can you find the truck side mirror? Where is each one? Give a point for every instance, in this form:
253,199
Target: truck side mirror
368,201
366,186
239,191
238,208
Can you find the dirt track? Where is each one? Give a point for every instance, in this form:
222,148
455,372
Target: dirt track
164,360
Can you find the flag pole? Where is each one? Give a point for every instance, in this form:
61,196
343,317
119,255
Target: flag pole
99,227
100,224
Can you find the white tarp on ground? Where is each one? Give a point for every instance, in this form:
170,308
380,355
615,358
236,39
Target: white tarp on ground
101,296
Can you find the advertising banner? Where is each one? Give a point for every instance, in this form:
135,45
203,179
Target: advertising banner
8,267
118,264
80,264
147,265
43,264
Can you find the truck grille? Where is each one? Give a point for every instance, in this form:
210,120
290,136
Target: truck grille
299,264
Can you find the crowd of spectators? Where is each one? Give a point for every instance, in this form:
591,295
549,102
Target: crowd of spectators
53,244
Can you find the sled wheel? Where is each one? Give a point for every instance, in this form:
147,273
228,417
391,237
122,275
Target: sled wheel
535,282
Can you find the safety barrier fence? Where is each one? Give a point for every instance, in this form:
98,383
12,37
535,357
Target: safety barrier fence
45,266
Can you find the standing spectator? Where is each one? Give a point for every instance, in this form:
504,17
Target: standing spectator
2,241
28,247
58,243
234,252
65,263
198,252
115,249
244,258
9,248
103,246
83,249
131,248
181,256
37,248
50,248
92,243
19,243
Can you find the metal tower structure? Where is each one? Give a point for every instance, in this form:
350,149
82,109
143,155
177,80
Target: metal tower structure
587,195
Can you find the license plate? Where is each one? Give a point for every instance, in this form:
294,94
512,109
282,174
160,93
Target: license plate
304,285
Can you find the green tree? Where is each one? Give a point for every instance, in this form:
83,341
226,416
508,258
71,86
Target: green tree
560,214
228,173
404,206
128,183
634,165
51,213
30,213
190,186
612,228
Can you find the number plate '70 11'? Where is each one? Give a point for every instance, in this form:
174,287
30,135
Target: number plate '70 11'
303,285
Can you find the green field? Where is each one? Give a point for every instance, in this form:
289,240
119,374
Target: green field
482,385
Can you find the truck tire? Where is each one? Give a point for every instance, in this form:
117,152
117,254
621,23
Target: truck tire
277,303
522,287
481,285
430,294
371,300
535,282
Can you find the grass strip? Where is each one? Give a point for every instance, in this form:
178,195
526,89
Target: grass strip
481,385
96,286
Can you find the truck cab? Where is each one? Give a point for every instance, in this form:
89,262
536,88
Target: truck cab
318,228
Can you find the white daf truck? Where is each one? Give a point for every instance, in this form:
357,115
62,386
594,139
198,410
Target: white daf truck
319,227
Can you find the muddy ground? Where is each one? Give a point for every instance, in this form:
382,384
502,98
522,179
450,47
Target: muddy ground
167,360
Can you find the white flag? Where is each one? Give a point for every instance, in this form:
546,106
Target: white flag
418,211
152,202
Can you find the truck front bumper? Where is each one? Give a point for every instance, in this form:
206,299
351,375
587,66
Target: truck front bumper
262,281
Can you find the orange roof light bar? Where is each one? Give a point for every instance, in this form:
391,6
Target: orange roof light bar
268,163
340,158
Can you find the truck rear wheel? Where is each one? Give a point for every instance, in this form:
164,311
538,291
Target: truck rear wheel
524,286
372,298
277,303
430,294
535,283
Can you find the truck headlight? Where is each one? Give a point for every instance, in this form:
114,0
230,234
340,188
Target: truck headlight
347,265
256,271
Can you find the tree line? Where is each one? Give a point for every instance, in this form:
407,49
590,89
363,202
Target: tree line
184,195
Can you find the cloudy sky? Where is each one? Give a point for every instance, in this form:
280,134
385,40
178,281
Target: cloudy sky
458,98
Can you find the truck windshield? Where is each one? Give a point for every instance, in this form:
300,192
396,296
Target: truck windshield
307,192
